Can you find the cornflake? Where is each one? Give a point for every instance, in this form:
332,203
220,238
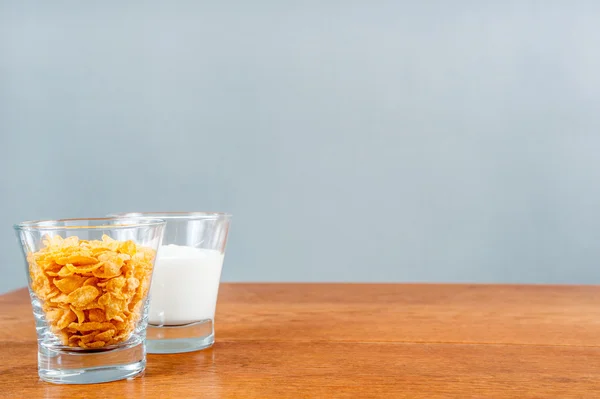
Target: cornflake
91,291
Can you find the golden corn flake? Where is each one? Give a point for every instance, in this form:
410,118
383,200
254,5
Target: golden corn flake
105,336
92,305
77,260
90,326
67,318
91,281
128,247
61,298
96,315
54,314
84,271
79,313
83,338
91,291
69,284
108,270
65,272
83,295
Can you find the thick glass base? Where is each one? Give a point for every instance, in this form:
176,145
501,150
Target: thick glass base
64,366
178,339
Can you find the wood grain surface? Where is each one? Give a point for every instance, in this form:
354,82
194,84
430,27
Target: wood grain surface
357,340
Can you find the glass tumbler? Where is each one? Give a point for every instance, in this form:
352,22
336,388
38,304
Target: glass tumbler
186,280
88,280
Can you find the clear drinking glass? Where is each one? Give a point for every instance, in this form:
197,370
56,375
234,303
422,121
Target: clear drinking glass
88,280
186,280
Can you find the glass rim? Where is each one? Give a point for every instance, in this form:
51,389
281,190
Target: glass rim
174,215
33,225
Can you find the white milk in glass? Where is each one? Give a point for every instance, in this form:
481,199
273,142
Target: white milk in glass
185,285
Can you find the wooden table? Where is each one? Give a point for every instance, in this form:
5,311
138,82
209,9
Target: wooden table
357,341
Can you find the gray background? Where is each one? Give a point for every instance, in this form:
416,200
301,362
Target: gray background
353,141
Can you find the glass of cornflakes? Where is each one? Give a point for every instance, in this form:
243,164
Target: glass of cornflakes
88,281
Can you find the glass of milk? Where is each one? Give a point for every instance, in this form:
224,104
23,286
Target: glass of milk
185,284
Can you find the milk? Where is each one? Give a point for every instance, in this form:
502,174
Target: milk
185,285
